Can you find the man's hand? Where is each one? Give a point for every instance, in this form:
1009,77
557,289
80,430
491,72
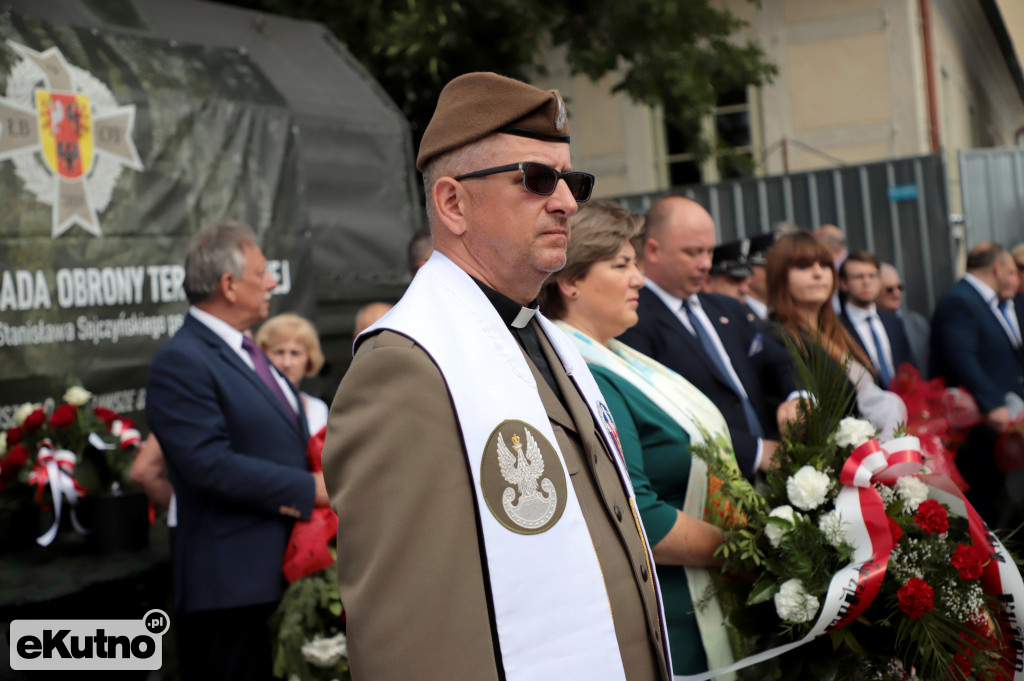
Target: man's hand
321,498
788,412
768,448
998,419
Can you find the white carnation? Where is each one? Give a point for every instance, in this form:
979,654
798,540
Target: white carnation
77,395
325,652
22,412
912,490
794,604
807,488
773,531
831,525
854,432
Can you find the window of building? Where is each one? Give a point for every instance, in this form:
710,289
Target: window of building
732,126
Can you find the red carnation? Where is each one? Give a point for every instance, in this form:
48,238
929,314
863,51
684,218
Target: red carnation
63,416
969,560
34,420
931,517
962,663
15,434
916,597
105,415
15,459
895,530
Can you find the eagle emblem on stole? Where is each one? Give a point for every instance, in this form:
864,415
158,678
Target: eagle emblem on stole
523,469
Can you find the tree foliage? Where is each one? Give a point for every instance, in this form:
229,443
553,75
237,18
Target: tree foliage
679,54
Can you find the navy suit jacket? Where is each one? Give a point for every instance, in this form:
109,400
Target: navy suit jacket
762,364
894,330
971,349
239,469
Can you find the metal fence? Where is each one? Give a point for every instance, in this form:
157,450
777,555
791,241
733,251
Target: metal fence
992,192
897,209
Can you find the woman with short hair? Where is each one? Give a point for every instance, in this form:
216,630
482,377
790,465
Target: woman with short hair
292,344
658,414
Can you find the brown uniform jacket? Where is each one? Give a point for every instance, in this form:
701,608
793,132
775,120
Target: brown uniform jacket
410,568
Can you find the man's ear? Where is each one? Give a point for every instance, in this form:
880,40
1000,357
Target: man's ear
842,284
226,287
651,246
450,204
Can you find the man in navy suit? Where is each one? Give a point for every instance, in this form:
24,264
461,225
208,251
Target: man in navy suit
976,344
708,338
880,334
234,438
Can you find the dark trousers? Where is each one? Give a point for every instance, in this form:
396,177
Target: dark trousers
232,644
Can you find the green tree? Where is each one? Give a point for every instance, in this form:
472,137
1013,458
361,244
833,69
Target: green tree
679,54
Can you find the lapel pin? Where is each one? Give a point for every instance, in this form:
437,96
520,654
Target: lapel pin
723,320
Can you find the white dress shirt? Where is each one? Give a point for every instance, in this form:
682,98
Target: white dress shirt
992,300
233,337
864,320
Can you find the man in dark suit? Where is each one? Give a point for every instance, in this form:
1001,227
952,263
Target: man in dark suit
880,334
234,439
708,338
976,344
914,323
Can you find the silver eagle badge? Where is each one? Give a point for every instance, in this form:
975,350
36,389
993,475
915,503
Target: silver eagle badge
522,469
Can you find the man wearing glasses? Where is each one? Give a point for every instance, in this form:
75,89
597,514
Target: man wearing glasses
487,527
879,333
914,323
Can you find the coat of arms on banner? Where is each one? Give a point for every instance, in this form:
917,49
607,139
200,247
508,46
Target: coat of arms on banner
66,135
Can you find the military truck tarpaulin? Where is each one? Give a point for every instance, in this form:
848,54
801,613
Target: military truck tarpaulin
115,149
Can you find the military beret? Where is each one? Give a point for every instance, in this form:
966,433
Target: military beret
474,105
759,246
731,259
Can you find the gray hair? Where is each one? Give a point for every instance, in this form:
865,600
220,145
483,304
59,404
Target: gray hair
215,251
465,159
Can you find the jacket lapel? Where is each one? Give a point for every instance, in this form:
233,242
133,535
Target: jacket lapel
234,362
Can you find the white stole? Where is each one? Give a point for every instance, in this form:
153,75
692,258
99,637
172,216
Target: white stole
700,418
551,607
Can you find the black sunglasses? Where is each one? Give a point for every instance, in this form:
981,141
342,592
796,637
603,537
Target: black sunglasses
894,289
541,179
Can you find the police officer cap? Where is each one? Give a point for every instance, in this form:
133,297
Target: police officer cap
474,105
759,246
731,259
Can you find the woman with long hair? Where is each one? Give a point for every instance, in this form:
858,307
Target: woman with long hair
801,284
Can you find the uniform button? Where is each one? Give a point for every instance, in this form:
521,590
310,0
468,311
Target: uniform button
618,514
643,572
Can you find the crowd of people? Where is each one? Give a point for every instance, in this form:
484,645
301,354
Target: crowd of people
516,492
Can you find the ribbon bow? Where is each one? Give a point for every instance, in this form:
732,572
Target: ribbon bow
56,468
871,462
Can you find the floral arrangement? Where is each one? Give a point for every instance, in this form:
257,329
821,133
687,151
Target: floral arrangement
867,564
310,643
57,456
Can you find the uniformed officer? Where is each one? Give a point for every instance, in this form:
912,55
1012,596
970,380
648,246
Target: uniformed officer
486,526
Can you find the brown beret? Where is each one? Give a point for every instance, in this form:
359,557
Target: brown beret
474,105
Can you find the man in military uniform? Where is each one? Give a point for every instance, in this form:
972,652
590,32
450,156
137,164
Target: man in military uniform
487,526
730,272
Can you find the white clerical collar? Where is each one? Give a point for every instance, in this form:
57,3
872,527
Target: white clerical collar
524,317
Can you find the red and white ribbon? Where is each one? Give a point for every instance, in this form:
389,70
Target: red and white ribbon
56,468
866,528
